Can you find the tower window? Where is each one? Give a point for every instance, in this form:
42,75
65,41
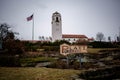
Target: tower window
57,19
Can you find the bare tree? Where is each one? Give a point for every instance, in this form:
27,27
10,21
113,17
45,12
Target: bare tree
109,38
3,30
6,34
3,33
43,38
100,36
118,39
50,38
40,38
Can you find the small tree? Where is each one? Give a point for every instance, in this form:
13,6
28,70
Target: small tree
100,36
3,30
118,39
7,38
43,38
109,38
50,38
40,38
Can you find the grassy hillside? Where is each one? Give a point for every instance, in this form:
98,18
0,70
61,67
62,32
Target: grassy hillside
28,73
96,50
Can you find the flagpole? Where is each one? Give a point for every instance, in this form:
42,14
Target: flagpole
33,29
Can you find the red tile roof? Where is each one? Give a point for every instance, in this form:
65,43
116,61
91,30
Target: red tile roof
73,36
91,39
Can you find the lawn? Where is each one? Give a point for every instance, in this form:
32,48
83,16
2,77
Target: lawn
32,61
29,73
96,50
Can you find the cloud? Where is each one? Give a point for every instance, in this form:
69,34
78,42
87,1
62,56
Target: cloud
40,4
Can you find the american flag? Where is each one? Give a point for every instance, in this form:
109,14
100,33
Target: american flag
30,18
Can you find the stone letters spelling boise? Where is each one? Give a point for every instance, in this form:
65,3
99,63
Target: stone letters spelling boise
69,49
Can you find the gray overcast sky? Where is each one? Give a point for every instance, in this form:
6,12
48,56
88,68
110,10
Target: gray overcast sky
86,17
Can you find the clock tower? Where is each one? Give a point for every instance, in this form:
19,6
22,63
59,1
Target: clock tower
56,26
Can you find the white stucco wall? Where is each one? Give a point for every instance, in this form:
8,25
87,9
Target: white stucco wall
56,26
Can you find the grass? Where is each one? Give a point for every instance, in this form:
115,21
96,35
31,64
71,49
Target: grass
28,73
37,59
96,50
33,61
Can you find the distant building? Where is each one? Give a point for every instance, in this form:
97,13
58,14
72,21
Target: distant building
91,39
57,31
74,37
56,26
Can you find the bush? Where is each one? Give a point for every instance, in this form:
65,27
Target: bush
58,64
51,48
101,74
88,65
31,62
102,44
9,61
13,46
76,65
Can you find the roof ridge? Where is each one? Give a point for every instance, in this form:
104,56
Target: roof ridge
73,36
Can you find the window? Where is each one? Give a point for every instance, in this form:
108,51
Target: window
57,19
74,39
68,39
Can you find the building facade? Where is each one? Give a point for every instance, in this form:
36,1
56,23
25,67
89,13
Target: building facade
57,31
74,37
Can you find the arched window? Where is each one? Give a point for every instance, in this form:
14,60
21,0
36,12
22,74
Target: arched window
57,19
